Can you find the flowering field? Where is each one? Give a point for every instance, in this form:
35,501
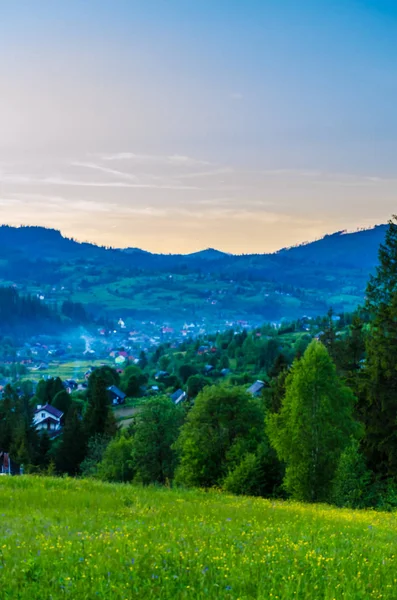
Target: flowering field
64,538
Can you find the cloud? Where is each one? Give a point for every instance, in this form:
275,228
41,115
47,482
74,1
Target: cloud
105,170
175,159
221,171
62,181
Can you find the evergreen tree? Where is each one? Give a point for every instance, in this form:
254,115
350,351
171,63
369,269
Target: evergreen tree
72,448
44,451
378,402
99,418
313,426
8,418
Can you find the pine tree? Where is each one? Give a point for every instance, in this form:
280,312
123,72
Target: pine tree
8,418
378,402
99,418
71,451
314,425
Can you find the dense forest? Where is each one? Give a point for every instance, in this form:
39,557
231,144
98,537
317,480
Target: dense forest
321,427
27,314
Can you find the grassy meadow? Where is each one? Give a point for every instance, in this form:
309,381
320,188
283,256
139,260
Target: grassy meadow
80,539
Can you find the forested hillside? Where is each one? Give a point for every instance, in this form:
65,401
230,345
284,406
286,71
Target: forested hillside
213,285
29,315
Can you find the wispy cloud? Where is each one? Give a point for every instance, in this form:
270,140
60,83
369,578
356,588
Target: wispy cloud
62,181
175,159
213,173
106,170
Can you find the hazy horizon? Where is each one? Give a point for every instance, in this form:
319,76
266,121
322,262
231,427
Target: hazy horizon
246,126
199,249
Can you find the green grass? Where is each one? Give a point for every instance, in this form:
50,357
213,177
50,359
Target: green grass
63,538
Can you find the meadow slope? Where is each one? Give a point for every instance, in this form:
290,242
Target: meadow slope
64,538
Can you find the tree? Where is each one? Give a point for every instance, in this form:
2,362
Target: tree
62,401
117,463
186,371
378,402
72,448
106,374
258,474
132,380
313,426
350,487
95,450
8,418
156,431
195,384
48,389
44,451
99,418
143,361
224,424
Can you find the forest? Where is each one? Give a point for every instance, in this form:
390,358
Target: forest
321,429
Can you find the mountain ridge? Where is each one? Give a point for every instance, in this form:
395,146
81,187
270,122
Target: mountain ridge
56,234
210,284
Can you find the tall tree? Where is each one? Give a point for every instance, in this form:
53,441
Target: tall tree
72,448
378,403
99,418
224,424
8,418
314,425
156,431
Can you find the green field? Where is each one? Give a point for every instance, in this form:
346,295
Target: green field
64,538
68,370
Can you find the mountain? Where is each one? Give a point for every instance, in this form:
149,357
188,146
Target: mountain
357,250
210,284
208,254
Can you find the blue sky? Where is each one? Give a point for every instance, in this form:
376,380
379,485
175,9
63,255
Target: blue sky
179,124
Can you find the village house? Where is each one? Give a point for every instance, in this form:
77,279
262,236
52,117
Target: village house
256,388
161,375
116,395
47,418
178,396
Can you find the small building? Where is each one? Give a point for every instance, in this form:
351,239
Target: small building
161,375
70,385
47,418
116,395
178,396
202,350
256,388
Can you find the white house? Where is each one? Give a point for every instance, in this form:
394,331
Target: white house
47,418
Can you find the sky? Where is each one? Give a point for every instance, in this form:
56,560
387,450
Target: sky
177,125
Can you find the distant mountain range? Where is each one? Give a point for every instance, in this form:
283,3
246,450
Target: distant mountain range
210,284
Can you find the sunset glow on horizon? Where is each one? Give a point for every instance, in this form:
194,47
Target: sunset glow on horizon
175,126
